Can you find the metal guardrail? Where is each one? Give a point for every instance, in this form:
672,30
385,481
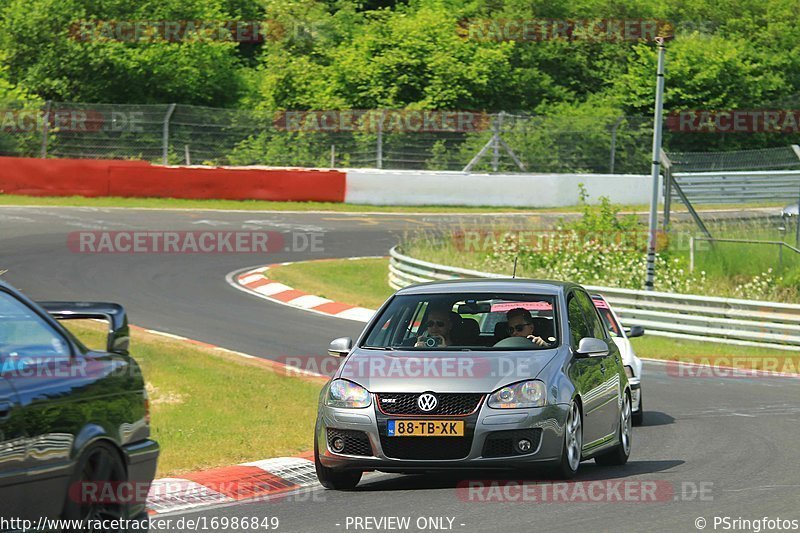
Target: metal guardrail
739,187
685,316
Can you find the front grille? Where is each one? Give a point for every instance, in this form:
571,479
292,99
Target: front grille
426,448
355,442
449,404
501,443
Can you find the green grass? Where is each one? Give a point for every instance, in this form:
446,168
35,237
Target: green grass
213,409
260,205
361,282
658,347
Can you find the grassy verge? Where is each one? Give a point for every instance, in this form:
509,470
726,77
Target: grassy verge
259,205
657,347
363,282
214,409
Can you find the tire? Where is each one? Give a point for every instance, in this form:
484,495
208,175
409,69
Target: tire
570,460
330,478
638,416
620,453
99,463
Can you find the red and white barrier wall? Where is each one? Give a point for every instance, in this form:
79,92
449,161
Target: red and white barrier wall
88,177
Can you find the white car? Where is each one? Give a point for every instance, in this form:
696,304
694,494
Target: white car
633,365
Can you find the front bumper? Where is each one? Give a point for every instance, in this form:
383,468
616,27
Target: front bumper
636,394
547,423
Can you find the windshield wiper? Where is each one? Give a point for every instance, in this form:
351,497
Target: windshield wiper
383,348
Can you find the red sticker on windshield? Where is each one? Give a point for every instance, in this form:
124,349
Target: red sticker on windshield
531,306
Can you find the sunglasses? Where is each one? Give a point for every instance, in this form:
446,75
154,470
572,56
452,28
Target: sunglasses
520,327
437,323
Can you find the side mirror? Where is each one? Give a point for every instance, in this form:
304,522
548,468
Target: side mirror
340,347
118,332
592,347
634,331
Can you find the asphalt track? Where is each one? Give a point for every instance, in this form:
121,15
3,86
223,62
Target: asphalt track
727,447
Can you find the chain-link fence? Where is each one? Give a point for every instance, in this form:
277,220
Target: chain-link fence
180,134
390,139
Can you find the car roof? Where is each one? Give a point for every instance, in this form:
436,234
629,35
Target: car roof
508,285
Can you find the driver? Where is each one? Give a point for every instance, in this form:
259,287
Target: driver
520,324
439,326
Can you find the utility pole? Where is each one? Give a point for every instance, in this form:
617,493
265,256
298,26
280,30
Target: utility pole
657,122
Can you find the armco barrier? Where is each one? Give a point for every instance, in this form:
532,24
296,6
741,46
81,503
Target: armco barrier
725,320
86,177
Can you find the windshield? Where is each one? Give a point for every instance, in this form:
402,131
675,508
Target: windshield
465,322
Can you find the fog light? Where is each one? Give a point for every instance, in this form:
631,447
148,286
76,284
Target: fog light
337,444
523,445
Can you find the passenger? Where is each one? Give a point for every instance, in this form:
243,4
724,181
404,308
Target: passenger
520,324
439,327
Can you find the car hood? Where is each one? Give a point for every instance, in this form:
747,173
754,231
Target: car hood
415,371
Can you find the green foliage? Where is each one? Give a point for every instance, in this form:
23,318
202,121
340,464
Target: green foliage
416,54
47,53
601,218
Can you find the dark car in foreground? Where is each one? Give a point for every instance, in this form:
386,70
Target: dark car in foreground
475,374
74,423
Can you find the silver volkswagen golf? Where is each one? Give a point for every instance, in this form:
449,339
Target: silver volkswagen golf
470,374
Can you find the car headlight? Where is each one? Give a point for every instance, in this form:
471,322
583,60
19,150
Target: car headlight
343,393
519,395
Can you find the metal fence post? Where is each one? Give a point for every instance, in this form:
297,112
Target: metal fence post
666,164
796,150
797,231
165,134
614,143
45,128
379,146
498,126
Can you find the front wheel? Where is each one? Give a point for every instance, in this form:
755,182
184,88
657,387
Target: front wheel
620,453
330,478
567,467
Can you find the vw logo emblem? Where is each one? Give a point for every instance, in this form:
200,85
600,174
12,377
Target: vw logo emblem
427,402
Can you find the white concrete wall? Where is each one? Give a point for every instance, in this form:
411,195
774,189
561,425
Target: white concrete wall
412,187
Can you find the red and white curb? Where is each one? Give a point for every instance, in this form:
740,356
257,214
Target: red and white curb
259,480
256,282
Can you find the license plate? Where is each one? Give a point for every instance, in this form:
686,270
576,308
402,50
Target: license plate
426,428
